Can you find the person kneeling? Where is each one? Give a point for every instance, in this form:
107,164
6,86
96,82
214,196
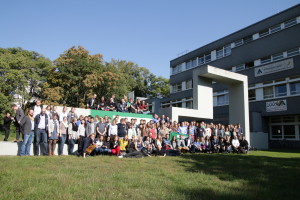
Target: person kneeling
88,145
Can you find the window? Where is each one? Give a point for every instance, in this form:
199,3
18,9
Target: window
194,63
247,39
222,100
277,56
275,120
268,92
295,88
239,67
207,58
289,131
238,43
276,131
264,33
219,53
176,88
292,52
265,60
189,84
201,60
252,95
275,28
177,69
227,50
189,104
189,65
290,23
249,64
288,119
280,90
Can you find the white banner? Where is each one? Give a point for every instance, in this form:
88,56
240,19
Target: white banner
274,67
274,106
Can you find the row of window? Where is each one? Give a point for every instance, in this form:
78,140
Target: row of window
226,50
285,127
268,59
186,103
185,85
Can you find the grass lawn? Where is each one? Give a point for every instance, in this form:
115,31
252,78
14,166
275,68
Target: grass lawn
258,175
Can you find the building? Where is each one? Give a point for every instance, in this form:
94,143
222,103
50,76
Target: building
268,52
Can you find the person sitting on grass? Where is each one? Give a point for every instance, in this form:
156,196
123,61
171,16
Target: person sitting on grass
202,145
124,144
196,147
145,152
158,146
181,144
215,144
106,147
208,145
88,145
139,144
99,144
244,145
228,144
235,144
222,145
115,146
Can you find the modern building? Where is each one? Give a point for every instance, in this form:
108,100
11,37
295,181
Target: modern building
268,53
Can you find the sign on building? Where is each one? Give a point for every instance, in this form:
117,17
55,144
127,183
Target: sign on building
274,106
274,67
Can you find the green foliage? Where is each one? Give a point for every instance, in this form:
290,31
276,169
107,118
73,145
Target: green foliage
22,73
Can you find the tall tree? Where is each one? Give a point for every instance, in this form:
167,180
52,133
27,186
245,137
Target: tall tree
22,72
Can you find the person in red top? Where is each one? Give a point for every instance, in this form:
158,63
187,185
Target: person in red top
143,108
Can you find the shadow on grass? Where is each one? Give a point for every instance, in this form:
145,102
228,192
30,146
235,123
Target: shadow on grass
255,177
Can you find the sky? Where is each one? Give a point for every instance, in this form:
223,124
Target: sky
149,33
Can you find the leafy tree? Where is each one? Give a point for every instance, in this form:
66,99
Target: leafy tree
22,73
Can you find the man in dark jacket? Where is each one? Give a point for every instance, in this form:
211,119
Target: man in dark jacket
92,102
6,125
41,133
18,118
88,141
27,125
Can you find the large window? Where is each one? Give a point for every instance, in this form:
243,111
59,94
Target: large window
276,131
252,95
295,88
207,58
176,88
264,33
189,84
227,50
292,52
289,131
194,63
189,65
265,60
280,90
219,53
275,28
201,60
222,100
290,23
247,39
277,56
177,69
268,92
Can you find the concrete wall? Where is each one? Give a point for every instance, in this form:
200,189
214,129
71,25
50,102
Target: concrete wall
13,148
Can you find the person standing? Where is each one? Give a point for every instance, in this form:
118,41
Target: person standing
63,127
37,108
40,131
53,134
18,118
27,125
91,127
73,136
6,125
63,114
72,115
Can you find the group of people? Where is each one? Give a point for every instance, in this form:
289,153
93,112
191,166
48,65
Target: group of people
124,137
124,105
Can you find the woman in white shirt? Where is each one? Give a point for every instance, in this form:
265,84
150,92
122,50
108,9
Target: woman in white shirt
81,135
113,129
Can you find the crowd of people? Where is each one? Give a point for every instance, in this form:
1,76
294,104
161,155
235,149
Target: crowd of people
124,105
123,137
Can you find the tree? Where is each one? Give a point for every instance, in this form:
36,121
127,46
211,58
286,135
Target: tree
65,80
23,72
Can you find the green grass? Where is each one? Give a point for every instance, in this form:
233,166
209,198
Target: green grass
258,175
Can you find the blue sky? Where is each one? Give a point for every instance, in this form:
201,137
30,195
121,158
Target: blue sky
149,33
